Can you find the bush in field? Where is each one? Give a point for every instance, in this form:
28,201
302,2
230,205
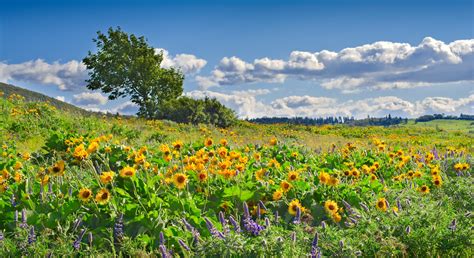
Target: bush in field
205,111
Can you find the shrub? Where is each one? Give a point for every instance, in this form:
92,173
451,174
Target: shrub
195,111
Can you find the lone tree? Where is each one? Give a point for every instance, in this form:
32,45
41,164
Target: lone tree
126,66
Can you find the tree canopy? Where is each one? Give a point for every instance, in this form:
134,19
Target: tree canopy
126,66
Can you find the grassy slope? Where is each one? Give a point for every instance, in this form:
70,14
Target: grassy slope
31,96
136,131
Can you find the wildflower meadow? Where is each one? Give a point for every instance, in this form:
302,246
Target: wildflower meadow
115,186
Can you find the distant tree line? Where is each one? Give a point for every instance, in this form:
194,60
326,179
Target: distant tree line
332,120
427,118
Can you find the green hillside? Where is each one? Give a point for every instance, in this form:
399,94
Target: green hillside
31,96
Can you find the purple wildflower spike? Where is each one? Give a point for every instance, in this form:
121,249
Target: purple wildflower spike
23,223
297,218
323,224
293,237
31,236
267,223
246,210
77,242
184,245
235,224
315,240
162,238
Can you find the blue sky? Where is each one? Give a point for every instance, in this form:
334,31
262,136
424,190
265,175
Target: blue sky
209,31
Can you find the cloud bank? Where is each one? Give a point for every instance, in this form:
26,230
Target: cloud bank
380,65
246,105
72,75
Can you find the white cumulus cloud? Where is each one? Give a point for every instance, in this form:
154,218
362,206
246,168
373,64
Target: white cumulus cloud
247,105
89,99
72,75
380,65
188,63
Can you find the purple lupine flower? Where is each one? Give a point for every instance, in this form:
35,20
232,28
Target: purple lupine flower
77,242
262,205
90,239
223,222
341,244
252,227
13,200
31,236
267,222
191,229
246,210
258,212
162,239
164,252
212,229
297,218
323,224
353,220
315,252
23,223
395,213
315,240
15,216
348,224
358,253
408,229
293,236
235,224
452,226
399,205
184,245
118,228
77,223
276,216
364,207
347,205
435,153
70,191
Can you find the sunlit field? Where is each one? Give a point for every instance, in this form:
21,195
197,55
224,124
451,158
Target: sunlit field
72,184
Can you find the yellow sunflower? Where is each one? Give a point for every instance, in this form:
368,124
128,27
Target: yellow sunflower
285,186
107,177
336,217
333,181
208,142
260,174
293,175
180,180
424,189
85,194
127,172
324,178
381,204
202,176
293,207
277,195
437,181
103,196
331,207
177,145
57,169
